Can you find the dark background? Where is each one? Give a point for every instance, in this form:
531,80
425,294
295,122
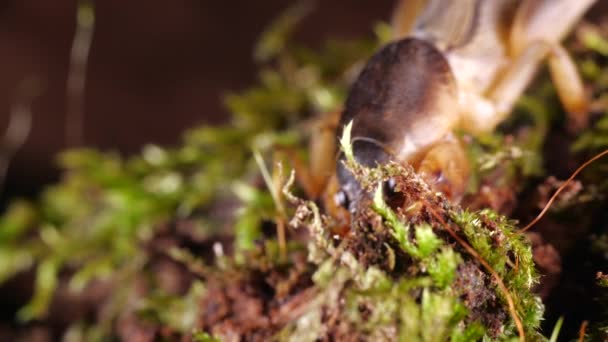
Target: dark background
156,67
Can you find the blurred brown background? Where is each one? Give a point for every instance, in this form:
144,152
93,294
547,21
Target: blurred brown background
156,67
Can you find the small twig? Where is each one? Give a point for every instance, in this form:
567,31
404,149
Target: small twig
582,330
79,56
308,210
561,188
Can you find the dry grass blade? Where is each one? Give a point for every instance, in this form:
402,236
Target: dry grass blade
79,56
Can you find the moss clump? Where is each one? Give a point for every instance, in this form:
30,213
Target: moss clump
423,261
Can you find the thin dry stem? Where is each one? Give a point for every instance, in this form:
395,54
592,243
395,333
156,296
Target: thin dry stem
561,188
582,330
79,56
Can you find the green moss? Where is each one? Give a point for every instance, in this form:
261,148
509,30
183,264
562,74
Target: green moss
497,241
199,336
492,236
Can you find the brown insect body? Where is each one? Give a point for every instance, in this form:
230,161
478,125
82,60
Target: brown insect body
462,65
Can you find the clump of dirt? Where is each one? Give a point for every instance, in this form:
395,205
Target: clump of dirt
254,303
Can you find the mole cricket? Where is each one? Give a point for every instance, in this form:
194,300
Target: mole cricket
451,65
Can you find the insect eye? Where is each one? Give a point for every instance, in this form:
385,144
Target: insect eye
341,199
389,187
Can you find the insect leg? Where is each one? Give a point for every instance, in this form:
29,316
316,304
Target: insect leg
546,20
405,15
445,168
567,82
516,78
322,149
569,87
549,21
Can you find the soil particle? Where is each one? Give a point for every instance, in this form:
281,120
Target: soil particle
479,297
548,262
254,304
